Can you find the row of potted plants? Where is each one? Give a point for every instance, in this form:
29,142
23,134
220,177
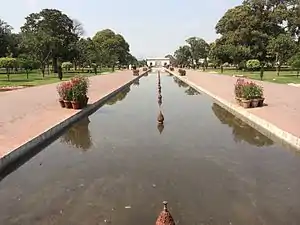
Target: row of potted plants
248,94
136,72
73,93
182,72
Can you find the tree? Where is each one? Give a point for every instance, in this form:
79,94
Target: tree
55,25
183,56
282,48
294,62
28,65
110,48
199,49
39,46
8,63
172,59
252,25
5,35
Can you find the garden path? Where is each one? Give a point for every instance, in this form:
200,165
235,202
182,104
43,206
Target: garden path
27,113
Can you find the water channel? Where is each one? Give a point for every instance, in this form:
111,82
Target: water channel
118,165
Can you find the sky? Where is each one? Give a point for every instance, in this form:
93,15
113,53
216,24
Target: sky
152,28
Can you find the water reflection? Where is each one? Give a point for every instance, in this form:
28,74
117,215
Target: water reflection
192,91
136,82
160,127
78,135
119,96
180,83
240,130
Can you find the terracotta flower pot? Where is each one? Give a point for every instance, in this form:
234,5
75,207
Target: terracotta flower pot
68,104
62,103
254,103
246,103
84,102
76,105
238,100
261,102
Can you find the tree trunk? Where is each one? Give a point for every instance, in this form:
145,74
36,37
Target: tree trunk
7,72
48,67
75,66
113,68
43,70
55,64
261,72
27,74
298,74
278,69
222,69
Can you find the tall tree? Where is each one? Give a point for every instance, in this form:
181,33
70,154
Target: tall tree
111,47
199,49
183,56
282,48
5,35
54,24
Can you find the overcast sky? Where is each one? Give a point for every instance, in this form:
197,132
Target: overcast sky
153,28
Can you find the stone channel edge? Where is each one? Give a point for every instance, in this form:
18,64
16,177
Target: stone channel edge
270,130
56,129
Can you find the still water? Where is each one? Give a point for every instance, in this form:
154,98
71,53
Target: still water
117,166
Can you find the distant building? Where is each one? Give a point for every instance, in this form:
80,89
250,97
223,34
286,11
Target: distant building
157,62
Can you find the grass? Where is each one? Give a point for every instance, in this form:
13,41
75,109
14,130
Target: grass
285,77
35,78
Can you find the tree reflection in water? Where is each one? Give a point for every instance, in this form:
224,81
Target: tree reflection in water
240,130
180,83
78,135
136,82
119,96
192,91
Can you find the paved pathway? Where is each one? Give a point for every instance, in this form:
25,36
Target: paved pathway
27,113
283,101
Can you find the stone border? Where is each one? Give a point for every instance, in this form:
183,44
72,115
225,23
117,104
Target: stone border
265,127
49,135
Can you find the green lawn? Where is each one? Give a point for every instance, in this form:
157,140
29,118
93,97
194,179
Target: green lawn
285,77
35,78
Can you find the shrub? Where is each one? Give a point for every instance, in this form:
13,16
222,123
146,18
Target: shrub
171,68
66,65
79,88
253,64
182,72
136,72
145,69
247,90
74,90
294,62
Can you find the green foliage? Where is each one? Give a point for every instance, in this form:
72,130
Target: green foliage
8,63
66,65
253,64
199,49
294,62
183,56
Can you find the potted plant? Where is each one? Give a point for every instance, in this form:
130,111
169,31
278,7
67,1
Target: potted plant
79,92
256,94
69,94
246,95
182,72
136,72
61,94
238,90
145,69
172,69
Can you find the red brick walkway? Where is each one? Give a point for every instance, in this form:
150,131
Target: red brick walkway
27,113
283,101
